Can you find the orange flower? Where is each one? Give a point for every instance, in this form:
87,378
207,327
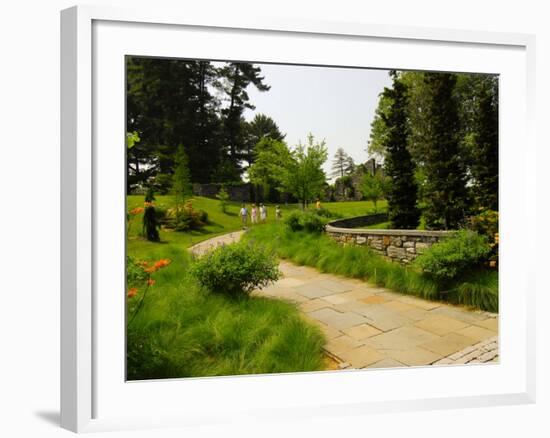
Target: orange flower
162,263
136,210
132,292
150,282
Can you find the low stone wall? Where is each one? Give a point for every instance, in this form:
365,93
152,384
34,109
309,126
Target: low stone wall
236,192
360,221
398,245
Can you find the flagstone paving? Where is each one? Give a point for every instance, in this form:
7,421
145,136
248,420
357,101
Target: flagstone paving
368,326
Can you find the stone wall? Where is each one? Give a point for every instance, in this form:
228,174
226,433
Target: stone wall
398,245
236,192
360,221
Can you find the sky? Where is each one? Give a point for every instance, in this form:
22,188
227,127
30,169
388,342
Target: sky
334,104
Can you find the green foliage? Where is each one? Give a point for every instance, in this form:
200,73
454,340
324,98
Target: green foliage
236,269
486,223
236,77
476,287
181,181
323,212
223,196
455,255
451,121
374,187
132,138
150,222
303,176
260,128
271,159
483,144
134,272
308,221
163,182
342,164
150,195
185,218
181,331
446,194
399,167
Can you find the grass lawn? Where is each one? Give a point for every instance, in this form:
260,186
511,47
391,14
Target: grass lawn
181,330
219,222
477,288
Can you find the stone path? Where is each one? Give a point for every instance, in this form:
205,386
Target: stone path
207,245
372,327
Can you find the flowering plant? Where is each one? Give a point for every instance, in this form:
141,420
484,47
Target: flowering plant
147,269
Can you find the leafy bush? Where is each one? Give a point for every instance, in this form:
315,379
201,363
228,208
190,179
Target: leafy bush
203,216
323,212
486,223
185,218
236,269
451,257
134,272
307,221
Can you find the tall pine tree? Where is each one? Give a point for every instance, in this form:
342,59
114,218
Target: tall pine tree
399,167
237,76
446,194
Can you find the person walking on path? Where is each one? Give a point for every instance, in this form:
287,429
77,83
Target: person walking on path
244,215
254,214
263,213
278,213
318,205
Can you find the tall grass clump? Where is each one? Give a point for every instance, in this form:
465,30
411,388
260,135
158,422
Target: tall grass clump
479,289
184,330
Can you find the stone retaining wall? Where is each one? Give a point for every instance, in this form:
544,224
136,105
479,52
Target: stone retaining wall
236,192
397,245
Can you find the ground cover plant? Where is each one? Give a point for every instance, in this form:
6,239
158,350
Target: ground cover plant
178,328
477,287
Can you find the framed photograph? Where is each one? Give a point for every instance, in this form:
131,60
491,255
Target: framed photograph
282,218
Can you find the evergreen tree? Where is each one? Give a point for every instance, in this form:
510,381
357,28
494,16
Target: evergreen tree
150,224
342,164
181,181
236,77
260,127
444,164
399,167
478,98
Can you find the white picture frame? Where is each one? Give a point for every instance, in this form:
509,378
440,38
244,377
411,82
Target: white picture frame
92,37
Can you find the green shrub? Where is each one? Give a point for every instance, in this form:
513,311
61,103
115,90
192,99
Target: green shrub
453,256
134,272
184,218
236,269
306,221
486,223
293,220
203,216
223,196
323,212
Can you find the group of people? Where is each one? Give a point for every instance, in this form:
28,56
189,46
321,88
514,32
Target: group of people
257,214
